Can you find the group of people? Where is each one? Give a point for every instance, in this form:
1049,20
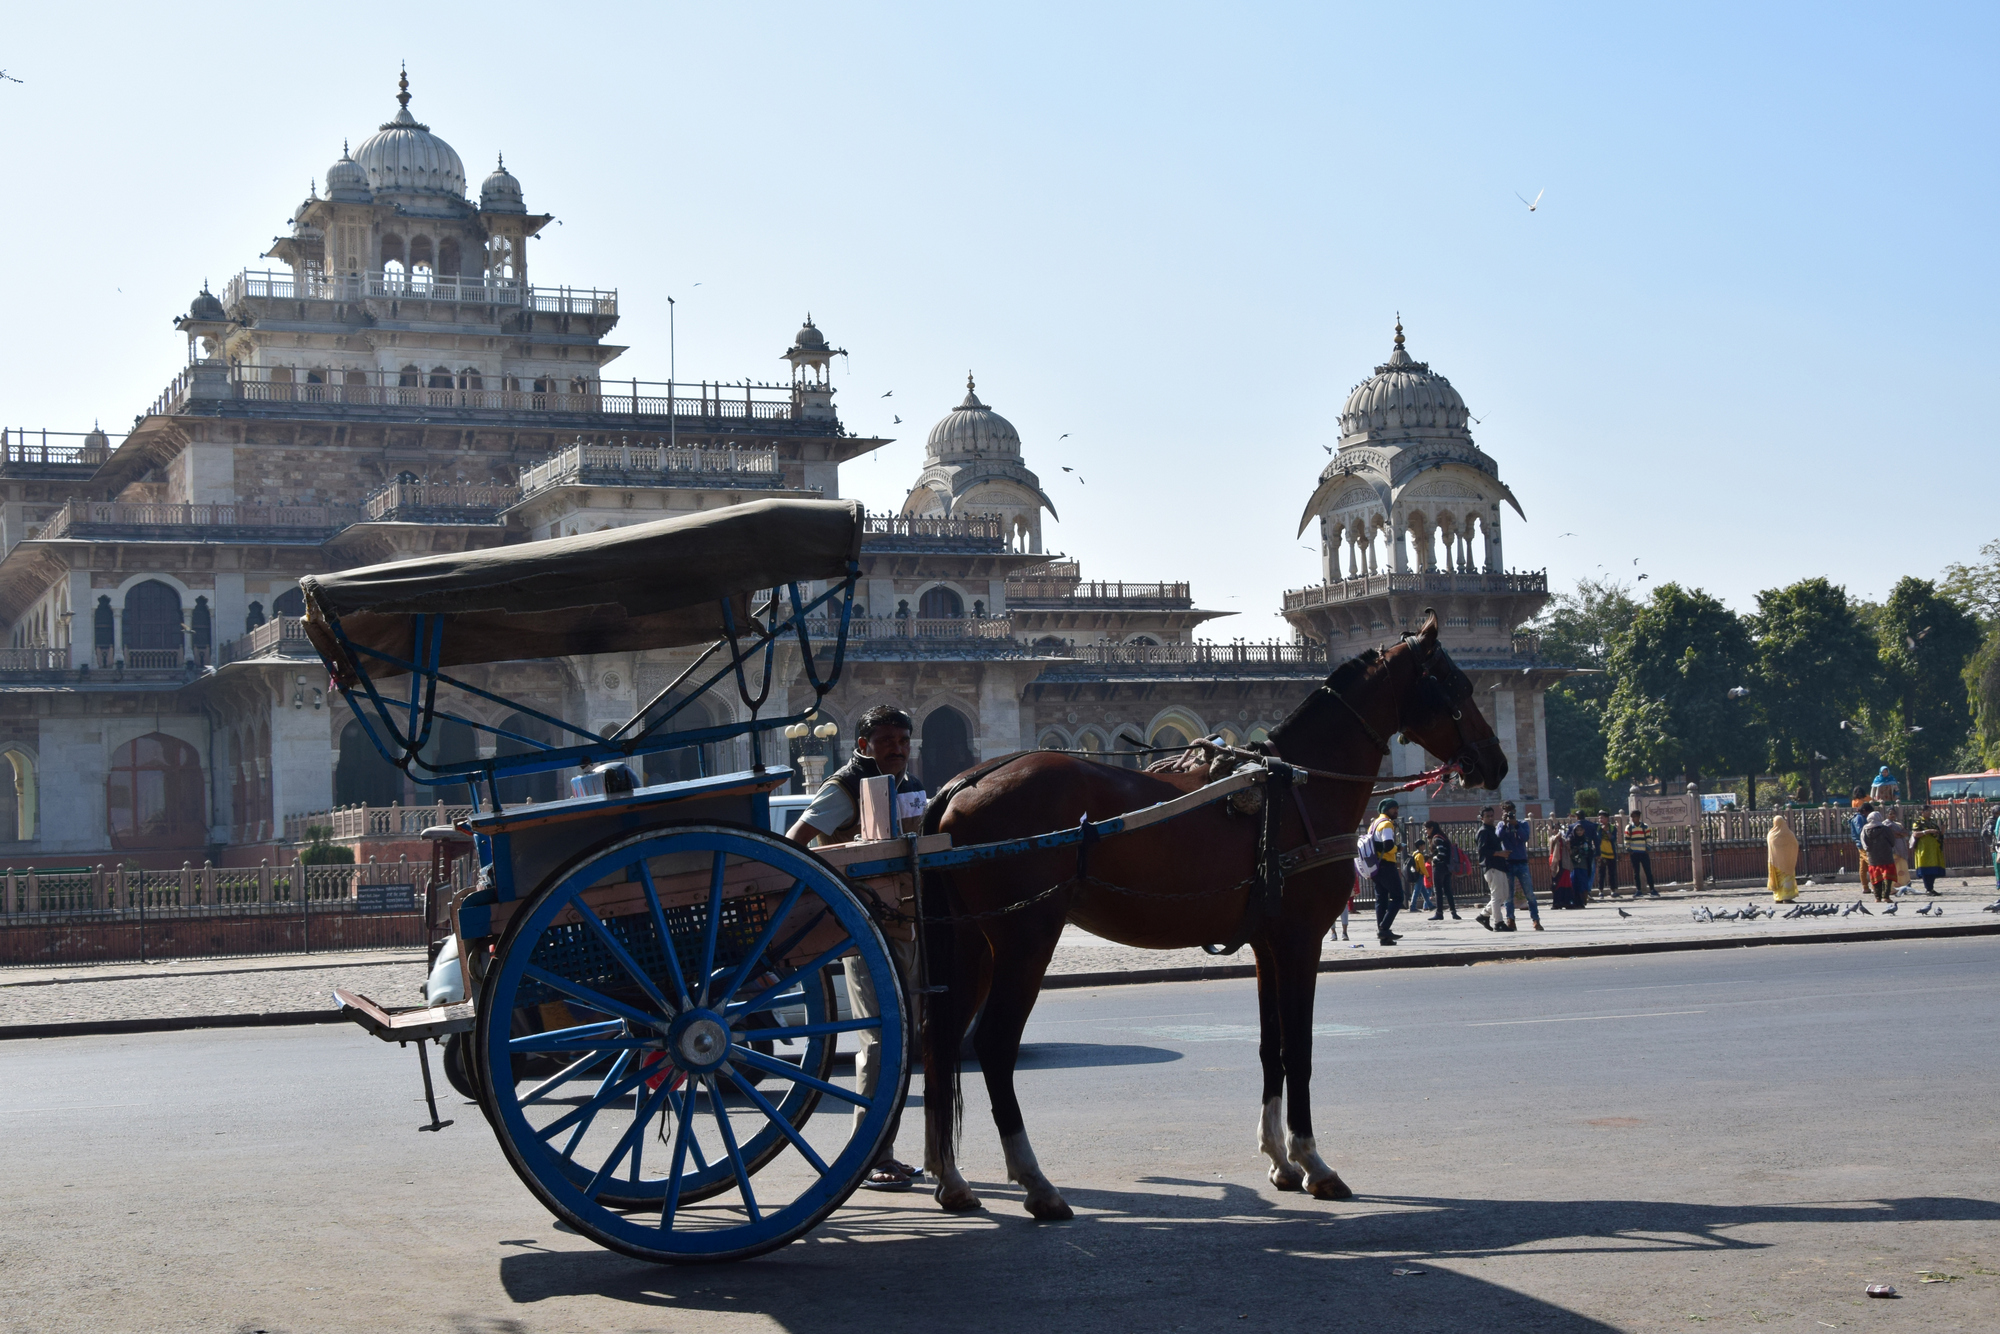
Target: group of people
1426,874
1888,851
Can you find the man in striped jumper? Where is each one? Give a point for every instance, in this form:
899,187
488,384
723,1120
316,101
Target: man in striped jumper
1639,847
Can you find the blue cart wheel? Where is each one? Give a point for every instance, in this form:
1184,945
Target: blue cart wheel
623,1014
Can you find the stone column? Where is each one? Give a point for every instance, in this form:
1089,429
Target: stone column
1400,538
1494,563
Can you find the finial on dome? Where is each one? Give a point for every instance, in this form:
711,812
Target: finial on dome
403,85
503,161
343,148
968,382
1399,328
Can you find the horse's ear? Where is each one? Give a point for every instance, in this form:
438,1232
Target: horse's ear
1427,634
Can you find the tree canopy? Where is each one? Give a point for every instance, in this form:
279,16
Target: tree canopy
1924,717
1816,667
1577,630
1669,710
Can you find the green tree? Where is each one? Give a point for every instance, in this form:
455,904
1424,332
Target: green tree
1924,718
1982,686
321,850
1576,630
1671,673
1816,667
1976,587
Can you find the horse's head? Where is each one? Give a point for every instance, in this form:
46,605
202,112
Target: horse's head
1414,689
1437,709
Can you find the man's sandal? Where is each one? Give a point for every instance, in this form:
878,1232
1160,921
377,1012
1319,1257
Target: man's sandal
890,1175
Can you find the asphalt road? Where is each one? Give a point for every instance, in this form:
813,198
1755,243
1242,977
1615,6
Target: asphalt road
1717,1140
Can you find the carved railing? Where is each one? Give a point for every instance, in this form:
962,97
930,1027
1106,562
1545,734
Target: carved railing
430,499
23,447
1375,585
1093,590
348,822
281,636
639,465
888,531
34,658
478,290
78,515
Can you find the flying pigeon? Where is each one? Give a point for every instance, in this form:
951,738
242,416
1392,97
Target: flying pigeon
1063,436
1645,576
1535,202
891,392
897,422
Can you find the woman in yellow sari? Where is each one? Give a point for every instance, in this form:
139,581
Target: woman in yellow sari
1781,850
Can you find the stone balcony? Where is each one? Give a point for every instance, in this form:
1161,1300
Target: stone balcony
1050,594
52,455
1238,659
118,521
439,503
257,288
926,533
279,639
632,466
1381,585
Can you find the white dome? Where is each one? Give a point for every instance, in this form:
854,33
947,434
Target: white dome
973,429
1403,394
346,181
501,193
405,158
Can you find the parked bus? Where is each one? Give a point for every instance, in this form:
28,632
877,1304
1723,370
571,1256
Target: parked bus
1966,787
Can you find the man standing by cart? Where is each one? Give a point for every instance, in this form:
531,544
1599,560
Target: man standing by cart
881,746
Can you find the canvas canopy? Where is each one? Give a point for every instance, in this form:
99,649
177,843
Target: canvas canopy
652,585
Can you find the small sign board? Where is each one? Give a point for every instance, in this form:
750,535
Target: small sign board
1669,810
1718,801
385,898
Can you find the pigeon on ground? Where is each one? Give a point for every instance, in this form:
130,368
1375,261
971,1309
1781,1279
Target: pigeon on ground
1926,910
1797,910
1623,913
1863,907
1890,911
1850,909
1992,907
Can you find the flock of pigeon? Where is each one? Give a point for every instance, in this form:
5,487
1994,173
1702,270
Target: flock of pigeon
1750,912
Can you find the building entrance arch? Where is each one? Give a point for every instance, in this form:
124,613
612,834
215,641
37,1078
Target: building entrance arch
947,738
153,795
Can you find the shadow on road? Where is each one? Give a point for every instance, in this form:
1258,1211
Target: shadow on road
1125,1259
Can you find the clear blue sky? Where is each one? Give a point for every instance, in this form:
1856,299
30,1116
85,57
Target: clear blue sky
1747,338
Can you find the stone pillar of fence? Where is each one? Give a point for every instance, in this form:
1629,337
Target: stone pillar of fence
264,881
100,887
34,892
207,881
187,884
1694,835
10,899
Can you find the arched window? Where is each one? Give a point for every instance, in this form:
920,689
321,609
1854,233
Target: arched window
940,604
1054,741
153,795
152,626
392,253
253,618
201,625
18,797
451,743
448,257
356,389
500,259
947,747
104,633
1144,641
291,602
363,777
544,786
1168,735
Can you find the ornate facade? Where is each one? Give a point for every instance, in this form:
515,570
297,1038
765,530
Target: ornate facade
398,386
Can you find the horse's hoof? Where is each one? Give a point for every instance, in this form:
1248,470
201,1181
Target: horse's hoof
1053,1210
958,1201
1331,1188
1287,1180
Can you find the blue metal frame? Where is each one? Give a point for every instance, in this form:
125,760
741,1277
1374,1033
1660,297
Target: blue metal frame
421,714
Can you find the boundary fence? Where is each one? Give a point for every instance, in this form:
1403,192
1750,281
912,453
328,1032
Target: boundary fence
97,914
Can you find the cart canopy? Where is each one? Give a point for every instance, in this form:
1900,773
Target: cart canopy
651,585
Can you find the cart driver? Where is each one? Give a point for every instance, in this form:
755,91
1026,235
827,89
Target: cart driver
881,746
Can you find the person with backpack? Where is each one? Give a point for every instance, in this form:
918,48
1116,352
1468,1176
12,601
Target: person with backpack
1493,865
1447,860
1379,857
1880,840
1581,838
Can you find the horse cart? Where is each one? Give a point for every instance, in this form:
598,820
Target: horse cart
655,982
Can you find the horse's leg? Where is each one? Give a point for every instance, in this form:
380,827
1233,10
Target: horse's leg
1021,954
1270,1051
1298,977
943,1107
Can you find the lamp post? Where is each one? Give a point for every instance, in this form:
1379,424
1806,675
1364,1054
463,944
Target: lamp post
673,373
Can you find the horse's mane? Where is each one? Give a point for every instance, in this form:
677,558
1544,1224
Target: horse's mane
1348,674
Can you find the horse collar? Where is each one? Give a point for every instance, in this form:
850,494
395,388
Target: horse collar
1366,729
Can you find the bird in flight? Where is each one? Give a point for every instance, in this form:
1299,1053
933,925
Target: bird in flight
1069,470
8,77
1327,448
891,392
1563,535
1645,576
1635,560
1063,436
897,422
1535,202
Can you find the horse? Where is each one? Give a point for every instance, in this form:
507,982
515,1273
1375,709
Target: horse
991,928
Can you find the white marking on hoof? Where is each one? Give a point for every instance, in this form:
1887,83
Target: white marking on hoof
953,1194
1044,1201
1321,1181
1271,1143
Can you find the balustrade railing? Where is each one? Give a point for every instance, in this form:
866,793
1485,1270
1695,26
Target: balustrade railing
649,461
20,446
478,290
1276,654
889,628
283,636
1092,590
34,658
1374,585
434,497
79,514
346,822
131,890
889,529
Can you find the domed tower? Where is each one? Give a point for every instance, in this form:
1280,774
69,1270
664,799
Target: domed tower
811,358
972,467
405,162
1409,517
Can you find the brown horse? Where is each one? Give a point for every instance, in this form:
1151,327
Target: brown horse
1178,884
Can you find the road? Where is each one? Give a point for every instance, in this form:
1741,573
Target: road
1718,1140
